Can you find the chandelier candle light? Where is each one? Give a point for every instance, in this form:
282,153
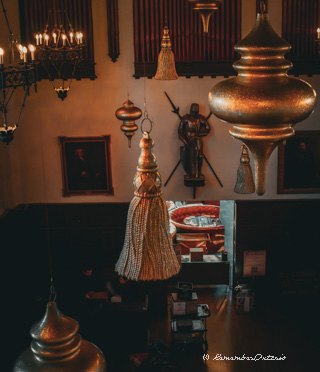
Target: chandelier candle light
262,101
59,53
12,76
148,252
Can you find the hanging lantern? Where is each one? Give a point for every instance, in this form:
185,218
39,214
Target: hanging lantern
128,113
148,253
205,8
262,101
166,69
57,347
245,183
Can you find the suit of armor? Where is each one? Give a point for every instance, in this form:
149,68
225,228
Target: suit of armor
192,128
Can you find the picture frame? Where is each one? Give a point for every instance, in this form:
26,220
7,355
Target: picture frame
299,164
86,165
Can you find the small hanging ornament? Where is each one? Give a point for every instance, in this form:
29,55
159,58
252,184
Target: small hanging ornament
128,113
57,347
166,69
262,101
205,8
245,183
148,252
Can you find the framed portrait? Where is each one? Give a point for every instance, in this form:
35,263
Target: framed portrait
299,164
86,165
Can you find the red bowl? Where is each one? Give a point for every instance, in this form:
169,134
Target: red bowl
179,214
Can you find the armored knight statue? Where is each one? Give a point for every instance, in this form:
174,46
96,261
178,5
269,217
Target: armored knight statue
192,128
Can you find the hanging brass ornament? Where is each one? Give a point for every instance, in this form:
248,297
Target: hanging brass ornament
57,347
128,113
245,183
166,69
262,101
205,8
147,253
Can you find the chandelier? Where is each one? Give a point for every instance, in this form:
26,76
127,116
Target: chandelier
59,52
22,74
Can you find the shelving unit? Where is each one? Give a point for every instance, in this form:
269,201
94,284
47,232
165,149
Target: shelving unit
189,331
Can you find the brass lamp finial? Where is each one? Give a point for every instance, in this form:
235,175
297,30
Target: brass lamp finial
262,101
205,8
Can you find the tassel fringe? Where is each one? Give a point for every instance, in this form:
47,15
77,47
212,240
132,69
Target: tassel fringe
147,253
166,66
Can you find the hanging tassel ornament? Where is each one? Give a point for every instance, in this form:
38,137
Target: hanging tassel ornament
148,253
57,347
245,183
166,69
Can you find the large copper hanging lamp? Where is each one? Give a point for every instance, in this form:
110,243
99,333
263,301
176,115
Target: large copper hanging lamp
166,69
205,8
57,347
148,252
262,101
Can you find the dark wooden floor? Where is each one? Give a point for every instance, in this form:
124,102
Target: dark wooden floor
279,327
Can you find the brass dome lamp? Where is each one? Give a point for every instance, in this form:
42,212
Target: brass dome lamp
58,347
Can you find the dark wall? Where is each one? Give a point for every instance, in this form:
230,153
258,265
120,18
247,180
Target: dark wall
288,231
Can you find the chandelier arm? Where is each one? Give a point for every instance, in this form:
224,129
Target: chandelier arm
68,20
73,72
6,18
8,97
22,107
3,109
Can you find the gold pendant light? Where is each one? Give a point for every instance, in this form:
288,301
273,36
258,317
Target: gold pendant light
147,253
128,113
245,183
57,347
205,8
262,101
166,69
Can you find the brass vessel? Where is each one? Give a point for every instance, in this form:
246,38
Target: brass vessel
57,347
128,113
205,8
262,101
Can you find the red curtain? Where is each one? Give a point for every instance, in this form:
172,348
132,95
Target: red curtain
189,42
300,20
34,15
